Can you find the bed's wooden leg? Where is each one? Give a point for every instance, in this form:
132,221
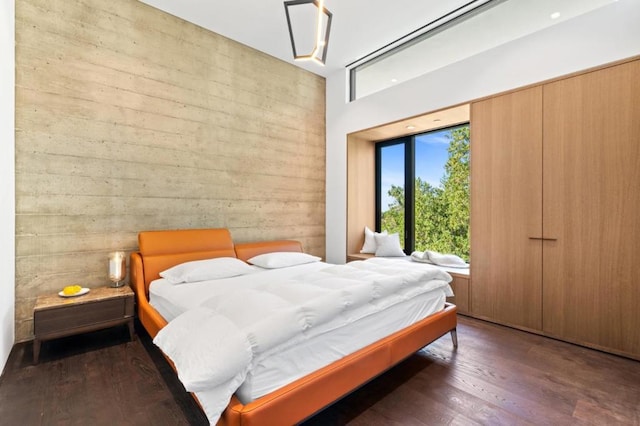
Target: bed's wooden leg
454,338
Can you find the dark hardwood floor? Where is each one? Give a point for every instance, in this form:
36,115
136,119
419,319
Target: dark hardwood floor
496,376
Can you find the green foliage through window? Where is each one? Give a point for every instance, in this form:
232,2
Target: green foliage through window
441,214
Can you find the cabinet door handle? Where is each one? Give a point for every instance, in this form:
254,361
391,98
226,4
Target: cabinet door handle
543,239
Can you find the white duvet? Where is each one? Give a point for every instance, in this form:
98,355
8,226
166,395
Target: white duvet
213,345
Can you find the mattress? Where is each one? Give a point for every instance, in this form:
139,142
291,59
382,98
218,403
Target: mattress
292,360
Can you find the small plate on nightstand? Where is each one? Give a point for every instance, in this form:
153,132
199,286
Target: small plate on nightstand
84,290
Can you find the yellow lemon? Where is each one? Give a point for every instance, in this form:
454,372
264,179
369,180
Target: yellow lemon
71,289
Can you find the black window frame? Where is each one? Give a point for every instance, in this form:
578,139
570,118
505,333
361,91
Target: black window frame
409,186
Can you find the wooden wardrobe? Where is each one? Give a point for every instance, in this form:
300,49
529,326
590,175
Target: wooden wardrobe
555,208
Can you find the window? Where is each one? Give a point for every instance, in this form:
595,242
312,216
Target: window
422,190
391,170
468,30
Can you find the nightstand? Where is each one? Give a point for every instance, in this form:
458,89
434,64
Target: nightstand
358,256
55,316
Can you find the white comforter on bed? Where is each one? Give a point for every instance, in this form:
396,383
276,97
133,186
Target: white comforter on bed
213,345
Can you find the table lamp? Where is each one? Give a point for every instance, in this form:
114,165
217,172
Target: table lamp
117,268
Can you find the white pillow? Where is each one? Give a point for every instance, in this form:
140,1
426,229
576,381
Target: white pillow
370,245
282,259
388,245
209,269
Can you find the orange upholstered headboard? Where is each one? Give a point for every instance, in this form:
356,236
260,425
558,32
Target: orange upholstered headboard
245,251
161,250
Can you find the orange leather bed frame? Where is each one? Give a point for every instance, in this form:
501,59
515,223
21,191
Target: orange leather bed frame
302,398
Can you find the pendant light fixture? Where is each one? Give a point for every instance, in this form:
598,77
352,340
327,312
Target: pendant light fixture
309,25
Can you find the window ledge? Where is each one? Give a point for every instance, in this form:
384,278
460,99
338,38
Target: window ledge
461,272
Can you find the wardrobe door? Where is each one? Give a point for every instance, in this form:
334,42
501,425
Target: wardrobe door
592,206
506,208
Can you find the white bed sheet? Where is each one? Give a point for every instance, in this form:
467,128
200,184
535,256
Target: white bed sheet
274,370
291,361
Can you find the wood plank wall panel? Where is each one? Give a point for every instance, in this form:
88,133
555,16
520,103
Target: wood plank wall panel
361,190
130,119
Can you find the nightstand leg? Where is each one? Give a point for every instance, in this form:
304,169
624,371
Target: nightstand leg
36,350
132,334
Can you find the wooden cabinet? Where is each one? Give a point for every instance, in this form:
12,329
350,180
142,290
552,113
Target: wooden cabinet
591,290
506,208
555,208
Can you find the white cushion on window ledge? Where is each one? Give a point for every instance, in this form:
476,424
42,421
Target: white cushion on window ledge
388,245
370,245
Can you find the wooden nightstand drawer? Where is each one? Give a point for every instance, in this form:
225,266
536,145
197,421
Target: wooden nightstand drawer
69,317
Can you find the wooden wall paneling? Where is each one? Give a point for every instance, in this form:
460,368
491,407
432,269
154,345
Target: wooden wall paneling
506,196
129,119
592,205
361,195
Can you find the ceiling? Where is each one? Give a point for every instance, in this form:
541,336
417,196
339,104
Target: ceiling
358,27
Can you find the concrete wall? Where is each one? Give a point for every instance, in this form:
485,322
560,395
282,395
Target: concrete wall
7,188
130,119
604,35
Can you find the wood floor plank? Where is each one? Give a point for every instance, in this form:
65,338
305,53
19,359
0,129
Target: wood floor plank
469,408
516,378
497,376
594,413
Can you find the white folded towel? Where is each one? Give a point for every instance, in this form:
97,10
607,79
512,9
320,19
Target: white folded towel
448,260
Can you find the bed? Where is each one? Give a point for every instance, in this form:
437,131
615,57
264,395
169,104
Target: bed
296,400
